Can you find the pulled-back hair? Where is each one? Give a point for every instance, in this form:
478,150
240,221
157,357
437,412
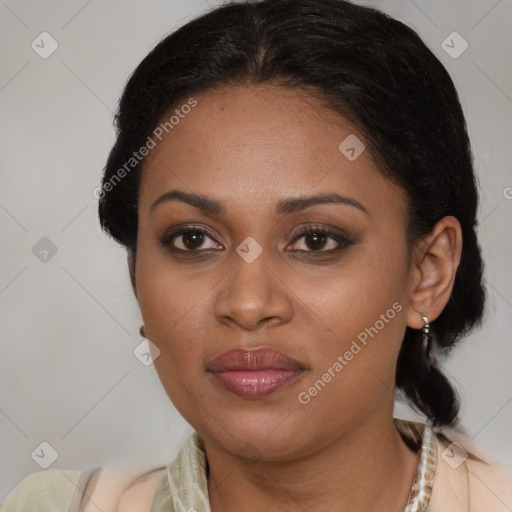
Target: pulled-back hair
372,70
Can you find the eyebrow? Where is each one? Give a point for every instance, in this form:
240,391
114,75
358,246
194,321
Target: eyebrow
283,207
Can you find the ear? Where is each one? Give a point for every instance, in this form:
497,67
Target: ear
131,269
435,262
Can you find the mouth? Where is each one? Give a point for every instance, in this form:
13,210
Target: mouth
253,374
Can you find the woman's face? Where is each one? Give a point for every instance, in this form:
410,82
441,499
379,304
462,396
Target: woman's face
333,304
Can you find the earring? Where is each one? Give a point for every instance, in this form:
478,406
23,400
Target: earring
426,338
142,331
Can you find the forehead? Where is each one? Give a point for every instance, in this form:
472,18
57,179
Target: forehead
248,144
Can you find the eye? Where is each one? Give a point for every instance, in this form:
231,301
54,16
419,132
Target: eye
317,238
188,239
193,239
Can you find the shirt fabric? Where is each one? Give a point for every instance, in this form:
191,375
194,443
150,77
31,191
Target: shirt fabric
448,479
184,486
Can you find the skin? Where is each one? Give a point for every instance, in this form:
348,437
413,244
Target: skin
250,147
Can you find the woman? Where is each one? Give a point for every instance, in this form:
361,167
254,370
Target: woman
293,183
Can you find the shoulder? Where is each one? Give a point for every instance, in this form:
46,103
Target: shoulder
51,489
108,488
490,485
466,477
119,489
139,495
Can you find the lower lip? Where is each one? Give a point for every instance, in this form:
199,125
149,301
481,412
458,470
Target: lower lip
255,383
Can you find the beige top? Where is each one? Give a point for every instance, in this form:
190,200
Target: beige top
184,487
450,478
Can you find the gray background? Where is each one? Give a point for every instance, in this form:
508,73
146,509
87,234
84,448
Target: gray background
70,324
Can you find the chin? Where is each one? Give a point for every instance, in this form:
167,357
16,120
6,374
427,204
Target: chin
256,437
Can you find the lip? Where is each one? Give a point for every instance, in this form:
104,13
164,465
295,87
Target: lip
255,373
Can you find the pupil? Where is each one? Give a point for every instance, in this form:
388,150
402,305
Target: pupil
195,236
319,237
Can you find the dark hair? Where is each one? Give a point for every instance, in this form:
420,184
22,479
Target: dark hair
375,72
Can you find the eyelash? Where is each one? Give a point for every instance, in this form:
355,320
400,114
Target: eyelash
343,241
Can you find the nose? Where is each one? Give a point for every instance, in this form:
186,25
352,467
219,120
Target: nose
253,294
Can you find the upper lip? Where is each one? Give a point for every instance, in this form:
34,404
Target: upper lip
253,359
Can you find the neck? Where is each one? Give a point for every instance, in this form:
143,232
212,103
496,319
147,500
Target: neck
368,468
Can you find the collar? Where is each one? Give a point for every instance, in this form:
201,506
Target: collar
184,487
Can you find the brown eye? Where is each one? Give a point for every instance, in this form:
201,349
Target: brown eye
315,240
192,239
188,239
318,239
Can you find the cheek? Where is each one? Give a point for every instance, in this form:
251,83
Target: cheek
174,314
364,288
172,304
364,310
